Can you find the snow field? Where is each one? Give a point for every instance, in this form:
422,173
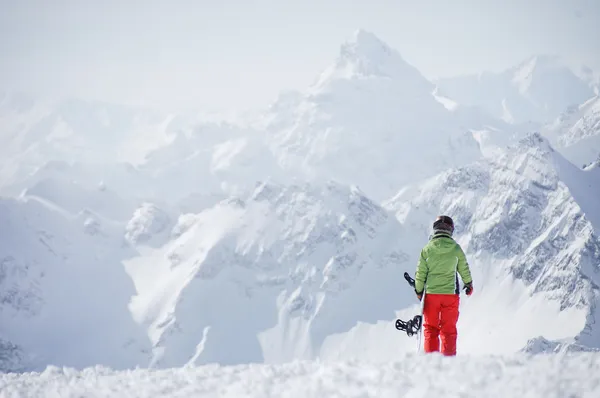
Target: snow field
547,376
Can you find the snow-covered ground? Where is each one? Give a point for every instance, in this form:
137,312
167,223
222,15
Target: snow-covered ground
548,376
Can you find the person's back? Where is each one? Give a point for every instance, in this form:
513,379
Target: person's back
441,261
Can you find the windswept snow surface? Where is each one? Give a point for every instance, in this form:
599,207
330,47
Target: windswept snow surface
576,376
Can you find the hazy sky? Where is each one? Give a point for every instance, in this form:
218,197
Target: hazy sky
227,54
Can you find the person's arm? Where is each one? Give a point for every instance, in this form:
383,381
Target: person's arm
421,274
464,271
463,266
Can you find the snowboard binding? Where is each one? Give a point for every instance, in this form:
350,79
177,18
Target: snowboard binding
409,279
412,326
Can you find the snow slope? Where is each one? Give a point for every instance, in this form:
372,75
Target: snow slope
63,289
213,159
539,89
370,119
492,134
287,265
576,132
409,376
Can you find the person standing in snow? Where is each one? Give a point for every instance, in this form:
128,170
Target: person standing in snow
441,261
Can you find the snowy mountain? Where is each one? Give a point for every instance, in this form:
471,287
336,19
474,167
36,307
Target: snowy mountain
63,289
370,119
364,109
36,131
576,132
188,161
539,89
286,238
491,133
214,160
282,264
306,271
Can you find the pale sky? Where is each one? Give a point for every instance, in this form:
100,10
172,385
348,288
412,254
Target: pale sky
239,54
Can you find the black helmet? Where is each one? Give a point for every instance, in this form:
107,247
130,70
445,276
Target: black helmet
444,223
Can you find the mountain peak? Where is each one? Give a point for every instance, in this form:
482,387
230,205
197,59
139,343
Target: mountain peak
367,40
552,68
365,55
532,144
535,140
367,52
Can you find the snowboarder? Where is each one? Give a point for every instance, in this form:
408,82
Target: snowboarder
441,261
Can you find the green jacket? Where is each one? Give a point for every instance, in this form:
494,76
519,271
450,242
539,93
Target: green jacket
440,263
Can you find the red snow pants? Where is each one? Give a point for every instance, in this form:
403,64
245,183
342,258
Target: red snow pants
440,313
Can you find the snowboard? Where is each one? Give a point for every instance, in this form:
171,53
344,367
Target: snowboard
415,325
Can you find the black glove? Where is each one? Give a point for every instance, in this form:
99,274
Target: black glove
468,288
419,295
